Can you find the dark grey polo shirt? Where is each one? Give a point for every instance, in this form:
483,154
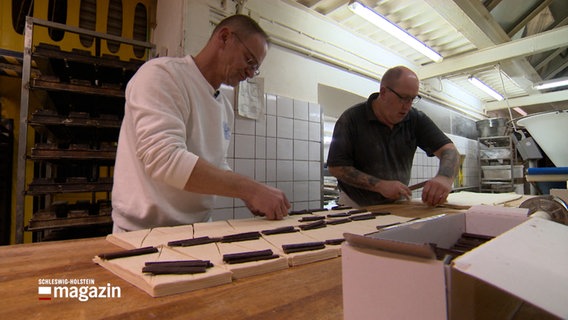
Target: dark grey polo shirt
360,140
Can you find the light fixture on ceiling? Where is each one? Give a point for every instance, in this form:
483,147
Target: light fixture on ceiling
485,88
560,82
397,32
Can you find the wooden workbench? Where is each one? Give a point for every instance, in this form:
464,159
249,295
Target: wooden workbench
310,291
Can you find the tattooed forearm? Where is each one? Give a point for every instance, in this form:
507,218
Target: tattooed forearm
354,177
449,163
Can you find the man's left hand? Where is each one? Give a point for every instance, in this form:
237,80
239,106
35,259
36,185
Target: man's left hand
436,190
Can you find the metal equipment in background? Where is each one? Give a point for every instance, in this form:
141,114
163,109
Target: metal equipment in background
527,147
554,206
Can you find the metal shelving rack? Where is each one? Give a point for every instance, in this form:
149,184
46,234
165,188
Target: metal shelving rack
75,135
497,157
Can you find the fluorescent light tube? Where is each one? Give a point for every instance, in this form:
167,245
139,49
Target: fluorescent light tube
485,88
397,32
520,111
552,84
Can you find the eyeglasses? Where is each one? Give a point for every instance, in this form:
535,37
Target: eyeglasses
411,100
251,62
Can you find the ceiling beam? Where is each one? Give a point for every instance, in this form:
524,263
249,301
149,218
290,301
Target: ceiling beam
477,24
520,69
465,23
482,18
531,100
523,21
523,47
300,29
326,6
549,58
557,69
560,23
491,4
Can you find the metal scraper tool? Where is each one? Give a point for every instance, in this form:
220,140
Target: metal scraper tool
418,185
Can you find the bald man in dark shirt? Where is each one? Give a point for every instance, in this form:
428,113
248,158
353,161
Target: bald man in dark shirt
374,143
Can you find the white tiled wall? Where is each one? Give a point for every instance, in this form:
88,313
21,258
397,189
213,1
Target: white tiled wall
282,149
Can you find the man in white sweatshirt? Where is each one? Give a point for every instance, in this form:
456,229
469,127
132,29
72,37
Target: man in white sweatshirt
171,157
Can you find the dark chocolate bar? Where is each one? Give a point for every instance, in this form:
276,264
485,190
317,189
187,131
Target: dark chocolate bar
288,229
240,257
161,269
465,243
380,213
461,248
469,242
334,242
253,235
387,225
367,216
128,253
297,212
192,242
313,225
339,215
317,210
446,254
311,218
476,236
181,263
299,247
249,259
356,211
338,221
341,208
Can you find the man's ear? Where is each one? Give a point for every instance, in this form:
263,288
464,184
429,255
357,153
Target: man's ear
224,35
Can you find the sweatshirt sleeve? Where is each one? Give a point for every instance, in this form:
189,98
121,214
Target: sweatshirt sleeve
158,113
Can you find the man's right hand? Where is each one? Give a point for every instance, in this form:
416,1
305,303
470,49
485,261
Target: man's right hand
393,189
268,202
261,199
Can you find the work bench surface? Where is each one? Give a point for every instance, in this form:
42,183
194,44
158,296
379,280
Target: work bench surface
311,291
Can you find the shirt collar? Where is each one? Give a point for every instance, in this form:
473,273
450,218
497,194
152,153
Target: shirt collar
369,107
370,114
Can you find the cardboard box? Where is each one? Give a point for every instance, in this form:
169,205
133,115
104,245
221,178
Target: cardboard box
394,274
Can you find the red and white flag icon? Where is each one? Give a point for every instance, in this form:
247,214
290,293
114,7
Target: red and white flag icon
44,293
